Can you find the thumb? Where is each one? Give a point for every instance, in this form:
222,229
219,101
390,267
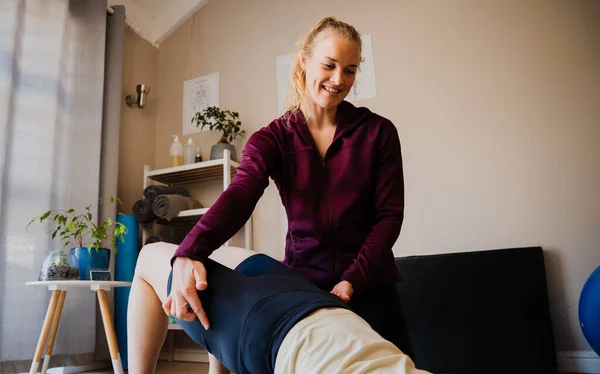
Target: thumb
200,275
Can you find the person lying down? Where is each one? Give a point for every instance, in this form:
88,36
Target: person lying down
264,318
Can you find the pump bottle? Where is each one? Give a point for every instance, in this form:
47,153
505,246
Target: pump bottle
176,152
189,152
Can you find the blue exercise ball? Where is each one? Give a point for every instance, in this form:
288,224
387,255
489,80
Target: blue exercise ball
589,310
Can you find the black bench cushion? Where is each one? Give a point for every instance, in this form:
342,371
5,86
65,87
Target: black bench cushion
479,312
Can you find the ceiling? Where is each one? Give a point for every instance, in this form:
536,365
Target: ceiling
154,20
152,6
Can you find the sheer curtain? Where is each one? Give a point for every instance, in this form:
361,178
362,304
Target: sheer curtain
51,98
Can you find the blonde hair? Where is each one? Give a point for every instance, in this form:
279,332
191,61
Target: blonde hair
298,90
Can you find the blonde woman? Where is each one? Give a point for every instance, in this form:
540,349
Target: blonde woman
339,172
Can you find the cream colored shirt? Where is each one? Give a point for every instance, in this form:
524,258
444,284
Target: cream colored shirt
332,341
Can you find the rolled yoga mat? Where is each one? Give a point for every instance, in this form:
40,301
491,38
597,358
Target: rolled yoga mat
169,206
152,191
125,260
142,210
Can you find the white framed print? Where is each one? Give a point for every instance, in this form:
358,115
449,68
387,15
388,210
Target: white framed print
198,94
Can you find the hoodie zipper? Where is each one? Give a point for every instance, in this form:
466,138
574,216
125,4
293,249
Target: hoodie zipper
293,264
330,225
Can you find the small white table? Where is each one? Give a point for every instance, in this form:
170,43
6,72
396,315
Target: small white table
59,290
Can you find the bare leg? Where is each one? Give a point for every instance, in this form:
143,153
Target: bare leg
231,257
216,367
146,320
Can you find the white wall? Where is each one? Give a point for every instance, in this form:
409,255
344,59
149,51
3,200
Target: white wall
497,104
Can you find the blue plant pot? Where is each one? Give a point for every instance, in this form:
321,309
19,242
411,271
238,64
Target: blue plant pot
589,310
91,259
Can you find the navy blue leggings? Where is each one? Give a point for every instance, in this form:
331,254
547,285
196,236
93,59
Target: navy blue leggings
251,310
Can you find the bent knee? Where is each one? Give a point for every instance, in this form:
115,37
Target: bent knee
153,257
230,256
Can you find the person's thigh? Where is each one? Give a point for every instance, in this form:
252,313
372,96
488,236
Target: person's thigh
382,309
153,266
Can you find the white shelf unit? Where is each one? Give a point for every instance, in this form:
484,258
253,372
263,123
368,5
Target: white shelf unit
224,168
199,172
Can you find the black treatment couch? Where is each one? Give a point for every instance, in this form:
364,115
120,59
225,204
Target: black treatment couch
479,312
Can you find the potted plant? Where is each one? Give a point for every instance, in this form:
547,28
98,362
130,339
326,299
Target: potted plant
85,236
222,120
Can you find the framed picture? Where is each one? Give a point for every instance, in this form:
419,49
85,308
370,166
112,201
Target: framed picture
198,94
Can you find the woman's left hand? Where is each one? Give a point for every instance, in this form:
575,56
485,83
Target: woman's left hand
343,290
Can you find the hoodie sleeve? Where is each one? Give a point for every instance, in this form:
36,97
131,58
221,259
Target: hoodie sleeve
235,205
387,216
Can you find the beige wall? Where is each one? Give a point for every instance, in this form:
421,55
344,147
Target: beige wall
138,126
497,105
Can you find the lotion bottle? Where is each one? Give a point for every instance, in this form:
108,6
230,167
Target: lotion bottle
189,152
176,152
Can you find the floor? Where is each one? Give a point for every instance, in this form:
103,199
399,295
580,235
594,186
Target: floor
176,367
171,367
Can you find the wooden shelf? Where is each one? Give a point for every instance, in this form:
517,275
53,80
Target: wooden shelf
184,215
192,173
192,213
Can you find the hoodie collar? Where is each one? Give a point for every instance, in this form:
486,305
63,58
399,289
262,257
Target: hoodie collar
348,116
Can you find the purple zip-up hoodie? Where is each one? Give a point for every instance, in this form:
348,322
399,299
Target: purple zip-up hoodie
344,211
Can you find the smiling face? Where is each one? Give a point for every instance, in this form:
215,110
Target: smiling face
331,70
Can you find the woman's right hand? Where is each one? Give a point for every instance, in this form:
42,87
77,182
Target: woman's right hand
189,277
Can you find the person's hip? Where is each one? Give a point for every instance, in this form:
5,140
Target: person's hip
336,340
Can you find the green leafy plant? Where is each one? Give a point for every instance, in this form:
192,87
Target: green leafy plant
74,228
222,120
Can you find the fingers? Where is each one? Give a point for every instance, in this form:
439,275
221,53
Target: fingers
342,294
167,306
200,275
199,312
181,309
178,307
189,277
195,309
201,284
345,298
